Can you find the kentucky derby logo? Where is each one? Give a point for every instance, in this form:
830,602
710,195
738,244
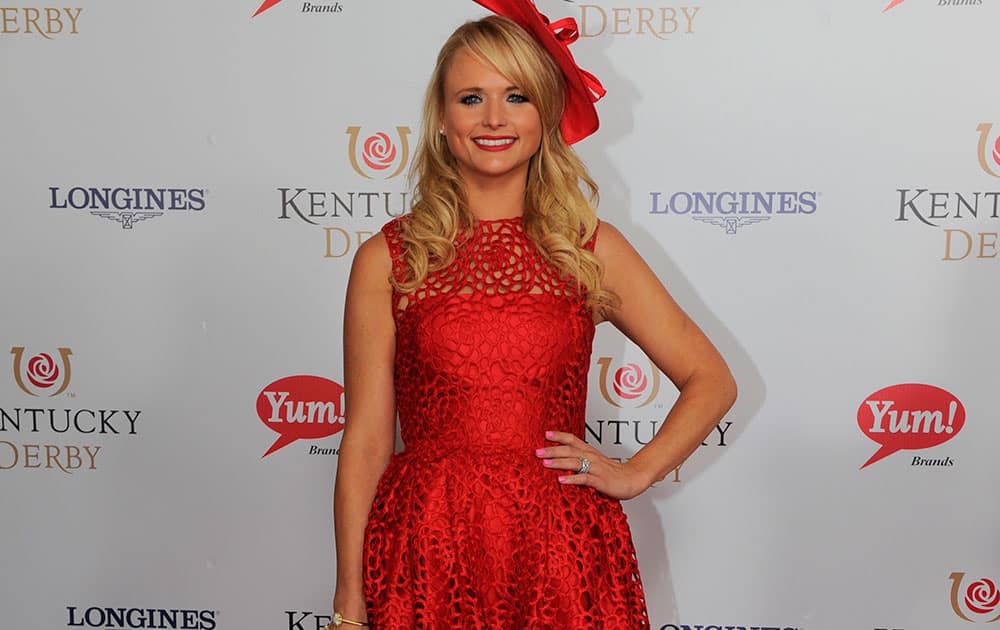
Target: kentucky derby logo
379,154
989,156
631,385
42,372
979,602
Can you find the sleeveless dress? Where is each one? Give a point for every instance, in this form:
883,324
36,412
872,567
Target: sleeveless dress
467,528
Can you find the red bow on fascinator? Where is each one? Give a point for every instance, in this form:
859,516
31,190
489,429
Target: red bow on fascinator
579,118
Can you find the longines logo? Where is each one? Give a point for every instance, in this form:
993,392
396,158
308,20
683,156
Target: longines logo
127,206
660,22
107,618
373,156
935,209
940,3
307,7
45,22
731,210
42,375
979,602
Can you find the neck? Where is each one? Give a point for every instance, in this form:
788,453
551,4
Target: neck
496,197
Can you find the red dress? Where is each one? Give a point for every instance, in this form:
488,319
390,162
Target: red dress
468,529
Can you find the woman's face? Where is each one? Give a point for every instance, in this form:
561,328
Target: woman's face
491,128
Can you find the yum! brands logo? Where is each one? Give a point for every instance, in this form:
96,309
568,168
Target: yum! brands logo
910,416
302,407
940,3
979,602
307,7
44,375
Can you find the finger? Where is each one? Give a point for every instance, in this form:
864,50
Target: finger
553,452
576,480
564,438
565,463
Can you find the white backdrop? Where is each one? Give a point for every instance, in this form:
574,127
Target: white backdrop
850,159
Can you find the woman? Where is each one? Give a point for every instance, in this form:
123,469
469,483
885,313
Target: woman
473,317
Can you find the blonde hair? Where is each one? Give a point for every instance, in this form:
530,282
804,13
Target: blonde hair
559,218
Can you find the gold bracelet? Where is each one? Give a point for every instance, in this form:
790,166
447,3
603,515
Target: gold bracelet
339,620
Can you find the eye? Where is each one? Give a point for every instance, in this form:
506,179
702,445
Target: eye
514,97
470,99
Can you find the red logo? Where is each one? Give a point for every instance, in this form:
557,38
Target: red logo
267,4
378,152
629,381
42,371
982,598
892,4
629,384
301,407
989,157
909,416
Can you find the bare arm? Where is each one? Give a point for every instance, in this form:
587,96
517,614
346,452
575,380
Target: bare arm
650,317
369,432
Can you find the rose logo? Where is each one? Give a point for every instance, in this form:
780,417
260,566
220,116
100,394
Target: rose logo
379,152
630,381
630,384
42,370
982,597
985,156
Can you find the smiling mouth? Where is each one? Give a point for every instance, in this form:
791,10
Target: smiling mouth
494,143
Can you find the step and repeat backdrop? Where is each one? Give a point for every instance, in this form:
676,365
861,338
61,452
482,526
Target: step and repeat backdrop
184,185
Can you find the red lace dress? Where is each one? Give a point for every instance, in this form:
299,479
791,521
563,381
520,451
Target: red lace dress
468,529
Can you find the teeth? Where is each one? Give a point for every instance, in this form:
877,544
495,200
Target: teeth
494,143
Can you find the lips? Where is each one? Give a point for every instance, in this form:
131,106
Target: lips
494,143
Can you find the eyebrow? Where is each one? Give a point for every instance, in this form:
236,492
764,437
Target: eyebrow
479,90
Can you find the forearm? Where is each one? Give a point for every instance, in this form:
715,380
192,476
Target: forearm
703,401
358,471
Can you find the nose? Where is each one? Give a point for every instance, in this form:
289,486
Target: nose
494,114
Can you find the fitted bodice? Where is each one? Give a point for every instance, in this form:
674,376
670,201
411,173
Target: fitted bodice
491,350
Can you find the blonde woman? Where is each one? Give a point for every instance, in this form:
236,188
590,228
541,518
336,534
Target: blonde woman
472,317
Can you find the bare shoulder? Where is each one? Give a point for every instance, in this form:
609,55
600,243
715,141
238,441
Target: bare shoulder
373,261
616,253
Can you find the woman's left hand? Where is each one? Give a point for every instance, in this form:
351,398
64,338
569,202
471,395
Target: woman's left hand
608,476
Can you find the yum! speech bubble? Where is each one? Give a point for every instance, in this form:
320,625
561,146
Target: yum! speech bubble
909,416
301,407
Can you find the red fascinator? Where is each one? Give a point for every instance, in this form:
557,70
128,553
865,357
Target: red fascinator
579,118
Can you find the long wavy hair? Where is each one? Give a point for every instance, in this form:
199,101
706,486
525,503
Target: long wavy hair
559,217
